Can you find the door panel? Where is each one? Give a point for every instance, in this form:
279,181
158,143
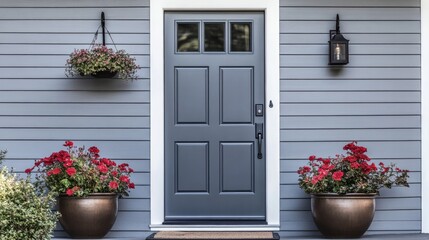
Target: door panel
191,106
214,76
236,95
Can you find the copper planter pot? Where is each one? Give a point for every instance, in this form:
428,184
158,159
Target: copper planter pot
343,216
88,217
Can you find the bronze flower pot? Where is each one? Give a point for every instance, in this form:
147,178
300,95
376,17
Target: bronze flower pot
88,217
343,216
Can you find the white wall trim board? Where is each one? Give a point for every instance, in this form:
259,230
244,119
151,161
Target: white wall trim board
272,69
425,112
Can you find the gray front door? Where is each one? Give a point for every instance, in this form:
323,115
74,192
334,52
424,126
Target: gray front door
214,96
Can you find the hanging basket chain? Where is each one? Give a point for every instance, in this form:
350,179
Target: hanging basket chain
96,37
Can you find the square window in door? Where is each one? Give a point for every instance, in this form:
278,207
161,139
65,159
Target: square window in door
214,37
241,37
188,37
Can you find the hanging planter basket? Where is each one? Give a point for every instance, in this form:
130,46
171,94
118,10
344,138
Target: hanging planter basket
104,74
99,61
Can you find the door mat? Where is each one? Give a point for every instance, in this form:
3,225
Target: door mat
214,236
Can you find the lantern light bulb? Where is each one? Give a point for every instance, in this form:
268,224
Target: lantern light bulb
337,52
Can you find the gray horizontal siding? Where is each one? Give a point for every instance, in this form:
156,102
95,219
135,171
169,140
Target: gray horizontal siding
358,38
41,107
375,99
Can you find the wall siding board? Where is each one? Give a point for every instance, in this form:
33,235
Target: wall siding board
20,72
355,49
315,109
74,109
98,4
70,26
350,97
316,4
330,73
74,39
27,47
69,13
311,135
74,84
73,122
350,26
357,38
355,14
350,85
355,60
375,99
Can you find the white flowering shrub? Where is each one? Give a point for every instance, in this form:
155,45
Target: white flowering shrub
25,211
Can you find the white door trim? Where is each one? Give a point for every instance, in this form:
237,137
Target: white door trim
425,112
272,92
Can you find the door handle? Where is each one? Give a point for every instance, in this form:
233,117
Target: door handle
259,134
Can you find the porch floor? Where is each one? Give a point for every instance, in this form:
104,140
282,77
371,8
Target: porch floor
373,237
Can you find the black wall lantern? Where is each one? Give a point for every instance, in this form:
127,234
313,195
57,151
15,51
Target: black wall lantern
338,47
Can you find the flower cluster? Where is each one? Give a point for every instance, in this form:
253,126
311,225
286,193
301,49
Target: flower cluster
79,172
350,173
101,58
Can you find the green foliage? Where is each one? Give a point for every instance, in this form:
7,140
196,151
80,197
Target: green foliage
25,211
101,58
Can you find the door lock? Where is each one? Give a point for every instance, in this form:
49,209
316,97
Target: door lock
259,110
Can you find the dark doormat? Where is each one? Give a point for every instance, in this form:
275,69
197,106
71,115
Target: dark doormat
214,236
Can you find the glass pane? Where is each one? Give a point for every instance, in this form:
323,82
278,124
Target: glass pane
241,37
188,37
214,37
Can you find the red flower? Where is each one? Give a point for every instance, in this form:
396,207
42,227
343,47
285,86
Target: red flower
68,163
131,185
54,171
114,173
304,169
316,179
312,158
113,185
71,171
69,192
323,172
68,144
354,165
102,168
326,161
350,159
124,179
28,170
337,176
93,150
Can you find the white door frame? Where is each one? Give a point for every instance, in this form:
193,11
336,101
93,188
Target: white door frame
272,92
425,112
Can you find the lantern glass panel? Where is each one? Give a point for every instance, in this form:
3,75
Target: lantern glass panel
339,52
